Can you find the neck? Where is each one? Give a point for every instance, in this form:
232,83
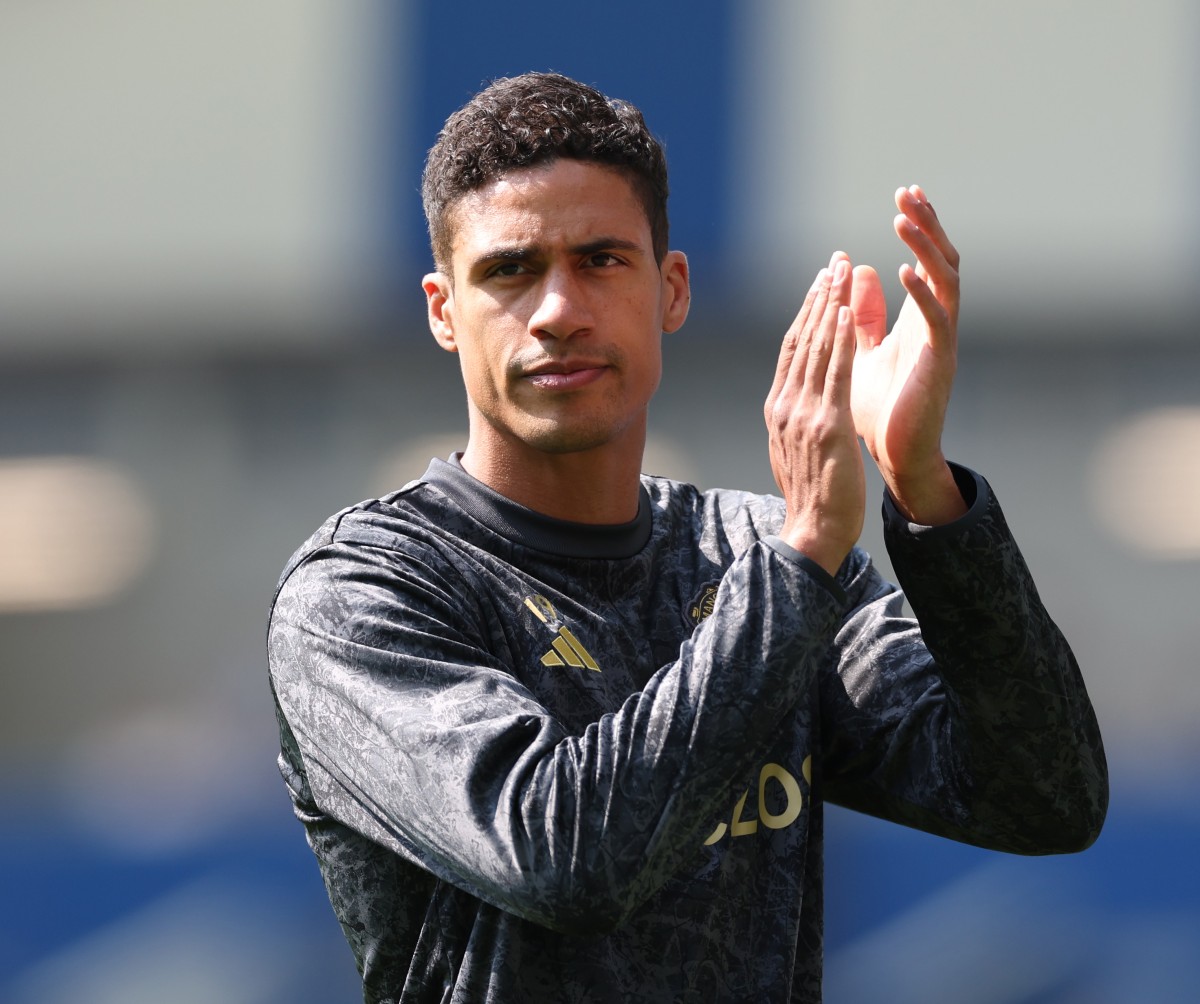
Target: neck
599,485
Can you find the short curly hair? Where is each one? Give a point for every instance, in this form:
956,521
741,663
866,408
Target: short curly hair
536,118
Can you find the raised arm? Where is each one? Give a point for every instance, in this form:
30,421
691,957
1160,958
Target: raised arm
977,724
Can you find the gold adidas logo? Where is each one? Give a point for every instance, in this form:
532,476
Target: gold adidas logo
566,649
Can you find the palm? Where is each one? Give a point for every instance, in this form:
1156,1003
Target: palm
900,385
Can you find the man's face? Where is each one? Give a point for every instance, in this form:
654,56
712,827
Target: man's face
556,308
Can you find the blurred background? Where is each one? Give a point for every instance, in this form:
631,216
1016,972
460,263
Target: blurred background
212,336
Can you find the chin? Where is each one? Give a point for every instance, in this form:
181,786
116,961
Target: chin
574,437
570,440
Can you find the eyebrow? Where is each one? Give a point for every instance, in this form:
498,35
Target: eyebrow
524,252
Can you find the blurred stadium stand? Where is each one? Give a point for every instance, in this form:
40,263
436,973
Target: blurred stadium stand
211,336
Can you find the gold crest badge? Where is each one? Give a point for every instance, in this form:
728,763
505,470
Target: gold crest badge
702,606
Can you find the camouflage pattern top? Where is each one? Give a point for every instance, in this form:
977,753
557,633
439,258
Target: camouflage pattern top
541,761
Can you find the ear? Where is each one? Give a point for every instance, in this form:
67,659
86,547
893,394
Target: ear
677,291
439,300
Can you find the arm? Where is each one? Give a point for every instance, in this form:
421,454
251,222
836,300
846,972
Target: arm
415,733
977,725
992,738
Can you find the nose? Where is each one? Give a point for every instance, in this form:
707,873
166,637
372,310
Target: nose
560,310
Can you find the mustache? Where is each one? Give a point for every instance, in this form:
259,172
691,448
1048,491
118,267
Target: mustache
565,361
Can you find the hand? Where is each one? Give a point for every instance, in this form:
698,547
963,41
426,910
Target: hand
814,449
902,382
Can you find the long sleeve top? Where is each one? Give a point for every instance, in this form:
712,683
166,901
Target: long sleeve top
546,761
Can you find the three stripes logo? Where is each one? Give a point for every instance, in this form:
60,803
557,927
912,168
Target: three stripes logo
566,649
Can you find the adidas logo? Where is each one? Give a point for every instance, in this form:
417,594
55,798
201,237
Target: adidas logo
566,649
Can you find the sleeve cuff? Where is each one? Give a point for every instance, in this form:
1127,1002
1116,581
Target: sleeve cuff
975,492
823,578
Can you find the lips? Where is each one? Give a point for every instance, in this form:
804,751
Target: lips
564,374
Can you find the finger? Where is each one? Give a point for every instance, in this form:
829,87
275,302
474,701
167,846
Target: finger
869,306
914,204
937,317
919,243
841,362
932,266
825,327
797,333
919,194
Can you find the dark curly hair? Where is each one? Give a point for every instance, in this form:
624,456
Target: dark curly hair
532,119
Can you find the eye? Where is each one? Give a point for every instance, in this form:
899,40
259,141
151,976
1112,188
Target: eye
602,259
507,269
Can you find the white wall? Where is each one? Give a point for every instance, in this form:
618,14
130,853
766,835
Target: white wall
172,167
183,173
1057,138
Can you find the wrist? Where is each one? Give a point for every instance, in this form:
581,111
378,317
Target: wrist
819,549
931,499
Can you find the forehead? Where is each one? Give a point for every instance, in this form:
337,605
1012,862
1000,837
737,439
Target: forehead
564,201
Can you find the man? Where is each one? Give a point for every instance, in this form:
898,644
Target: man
561,732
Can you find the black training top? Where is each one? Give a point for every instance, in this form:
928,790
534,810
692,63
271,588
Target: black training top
546,761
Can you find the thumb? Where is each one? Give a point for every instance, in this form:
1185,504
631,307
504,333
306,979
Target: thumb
869,306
